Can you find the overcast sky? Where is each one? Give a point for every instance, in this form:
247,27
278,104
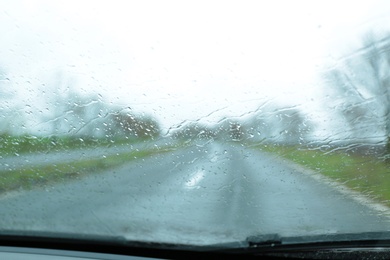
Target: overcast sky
182,60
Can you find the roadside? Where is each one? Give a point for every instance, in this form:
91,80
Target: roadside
41,158
35,170
361,178
357,196
27,144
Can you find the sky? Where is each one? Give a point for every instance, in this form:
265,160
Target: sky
182,60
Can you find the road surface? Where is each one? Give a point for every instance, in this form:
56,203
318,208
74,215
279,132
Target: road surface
201,194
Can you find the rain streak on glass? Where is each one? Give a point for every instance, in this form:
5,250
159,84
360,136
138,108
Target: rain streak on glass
194,123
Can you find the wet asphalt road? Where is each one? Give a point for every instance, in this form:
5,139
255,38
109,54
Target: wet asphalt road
202,194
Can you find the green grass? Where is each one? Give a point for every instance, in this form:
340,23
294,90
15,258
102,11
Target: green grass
367,175
30,177
14,145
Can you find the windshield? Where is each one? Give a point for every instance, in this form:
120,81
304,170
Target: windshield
195,123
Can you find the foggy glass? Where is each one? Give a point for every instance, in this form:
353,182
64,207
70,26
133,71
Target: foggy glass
195,100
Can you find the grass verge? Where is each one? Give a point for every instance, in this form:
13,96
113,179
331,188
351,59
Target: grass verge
28,178
14,145
367,175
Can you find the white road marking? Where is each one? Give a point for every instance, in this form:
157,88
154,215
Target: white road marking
192,183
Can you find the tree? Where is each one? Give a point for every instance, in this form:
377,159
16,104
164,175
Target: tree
12,117
292,126
276,123
3,93
230,130
84,115
257,128
235,131
362,83
192,131
130,125
58,96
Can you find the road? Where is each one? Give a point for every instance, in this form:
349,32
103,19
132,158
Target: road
200,194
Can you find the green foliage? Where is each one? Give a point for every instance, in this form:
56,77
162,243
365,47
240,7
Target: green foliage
129,125
14,145
194,131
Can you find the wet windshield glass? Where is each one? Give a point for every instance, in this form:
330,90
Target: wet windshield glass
195,122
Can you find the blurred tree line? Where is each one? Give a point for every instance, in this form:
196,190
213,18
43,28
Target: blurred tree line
64,112
360,87
272,124
91,117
